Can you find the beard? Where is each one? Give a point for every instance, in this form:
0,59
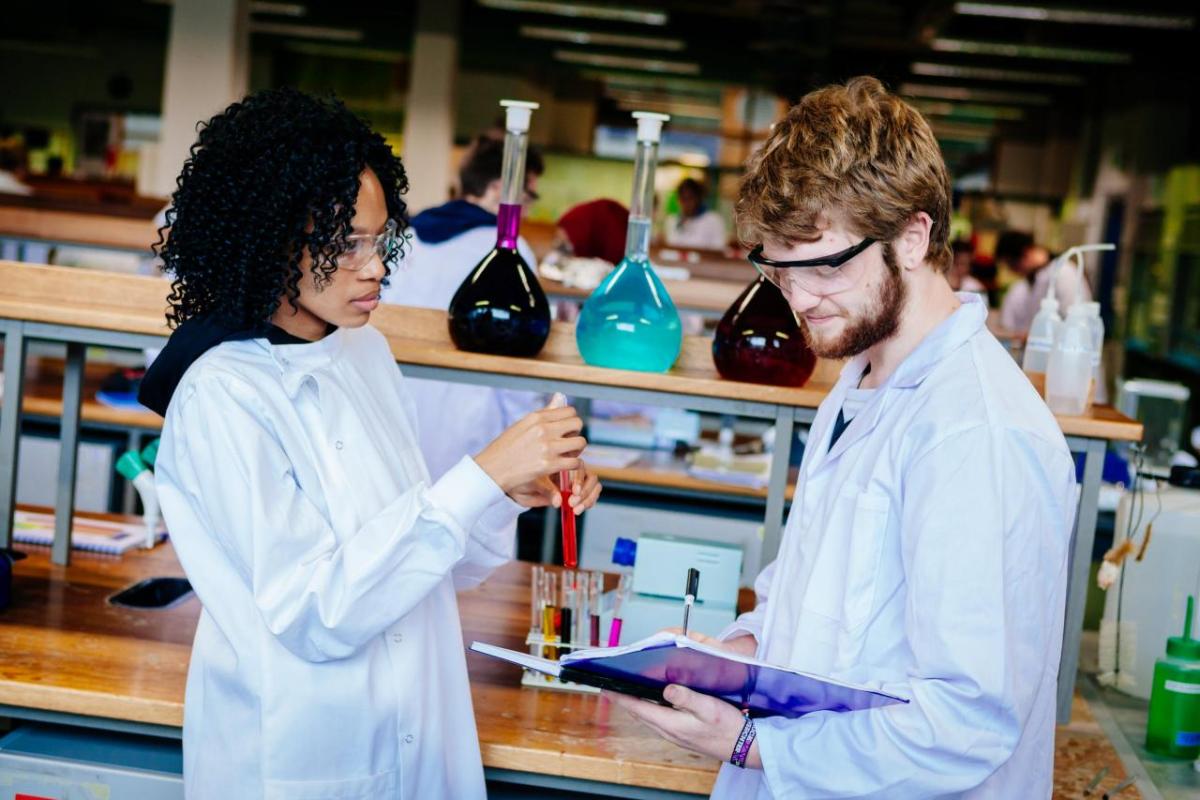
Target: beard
878,322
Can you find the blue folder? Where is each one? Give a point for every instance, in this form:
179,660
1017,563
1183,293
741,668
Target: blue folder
646,669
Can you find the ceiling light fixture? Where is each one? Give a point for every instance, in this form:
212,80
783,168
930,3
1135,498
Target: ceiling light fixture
1016,50
659,82
1131,19
628,62
580,10
604,39
942,108
350,52
964,94
994,74
257,7
674,109
961,133
278,9
640,102
307,31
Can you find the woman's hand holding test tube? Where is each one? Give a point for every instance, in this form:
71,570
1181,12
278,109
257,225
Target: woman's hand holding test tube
526,459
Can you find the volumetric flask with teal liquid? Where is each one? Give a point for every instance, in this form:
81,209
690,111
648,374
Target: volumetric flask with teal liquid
629,321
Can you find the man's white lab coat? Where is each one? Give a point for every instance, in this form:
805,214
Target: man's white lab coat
455,419
925,554
328,661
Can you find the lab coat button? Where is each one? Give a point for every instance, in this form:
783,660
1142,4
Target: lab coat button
408,739
338,444
397,637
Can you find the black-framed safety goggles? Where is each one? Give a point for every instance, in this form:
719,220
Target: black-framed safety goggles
836,260
810,274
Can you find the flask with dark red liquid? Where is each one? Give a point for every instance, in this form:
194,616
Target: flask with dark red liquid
759,341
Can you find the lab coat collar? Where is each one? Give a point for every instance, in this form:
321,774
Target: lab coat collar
947,337
297,362
952,333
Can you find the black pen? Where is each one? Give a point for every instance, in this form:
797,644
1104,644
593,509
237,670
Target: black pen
689,594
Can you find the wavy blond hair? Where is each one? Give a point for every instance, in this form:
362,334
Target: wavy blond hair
853,151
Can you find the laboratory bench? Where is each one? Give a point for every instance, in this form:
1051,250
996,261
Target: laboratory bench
73,659
55,221
78,665
82,308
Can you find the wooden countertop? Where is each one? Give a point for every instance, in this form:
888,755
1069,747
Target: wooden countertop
67,650
96,198
136,304
72,225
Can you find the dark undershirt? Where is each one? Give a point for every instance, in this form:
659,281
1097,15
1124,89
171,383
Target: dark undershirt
839,427
277,335
841,423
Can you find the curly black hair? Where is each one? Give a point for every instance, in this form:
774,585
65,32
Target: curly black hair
260,174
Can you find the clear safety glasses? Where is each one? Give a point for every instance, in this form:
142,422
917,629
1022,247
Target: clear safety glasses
824,275
360,247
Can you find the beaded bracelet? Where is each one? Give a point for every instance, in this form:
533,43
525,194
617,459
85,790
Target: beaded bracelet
741,749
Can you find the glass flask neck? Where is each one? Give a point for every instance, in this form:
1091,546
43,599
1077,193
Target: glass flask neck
512,173
508,225
642,202
512,189
641,205
637,239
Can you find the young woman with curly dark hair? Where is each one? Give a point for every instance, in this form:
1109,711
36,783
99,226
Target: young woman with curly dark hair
328,659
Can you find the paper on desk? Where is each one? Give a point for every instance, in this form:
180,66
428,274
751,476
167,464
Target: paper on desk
98,535
535,663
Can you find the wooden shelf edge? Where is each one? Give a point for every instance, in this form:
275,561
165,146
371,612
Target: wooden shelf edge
103,705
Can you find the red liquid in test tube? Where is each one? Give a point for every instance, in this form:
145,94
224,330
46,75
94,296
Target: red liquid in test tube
570,558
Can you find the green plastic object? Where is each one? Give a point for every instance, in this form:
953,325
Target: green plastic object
131,465
150,453
1174,726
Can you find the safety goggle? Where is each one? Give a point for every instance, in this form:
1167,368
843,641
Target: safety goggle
361,247
824,275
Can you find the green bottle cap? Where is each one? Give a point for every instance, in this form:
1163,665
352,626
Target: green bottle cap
150,452
130,465
1185,646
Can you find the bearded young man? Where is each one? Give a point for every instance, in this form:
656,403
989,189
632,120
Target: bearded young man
926,550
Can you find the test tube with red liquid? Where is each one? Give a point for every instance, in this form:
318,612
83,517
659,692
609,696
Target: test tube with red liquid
570,557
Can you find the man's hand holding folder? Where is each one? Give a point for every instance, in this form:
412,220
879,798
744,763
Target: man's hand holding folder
694,717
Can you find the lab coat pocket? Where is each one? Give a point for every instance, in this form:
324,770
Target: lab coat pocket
383,784
868,531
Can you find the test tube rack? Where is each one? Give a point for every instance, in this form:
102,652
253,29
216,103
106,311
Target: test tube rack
537,680
571,594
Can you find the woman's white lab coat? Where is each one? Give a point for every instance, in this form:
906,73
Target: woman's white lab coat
925,554
328,661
